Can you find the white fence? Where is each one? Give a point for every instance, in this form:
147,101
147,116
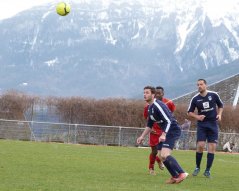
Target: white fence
92,134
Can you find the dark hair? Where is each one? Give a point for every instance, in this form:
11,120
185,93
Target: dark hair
159,88
205,82
151,88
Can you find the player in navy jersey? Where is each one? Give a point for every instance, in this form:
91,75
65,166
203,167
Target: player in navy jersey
158,112
206,103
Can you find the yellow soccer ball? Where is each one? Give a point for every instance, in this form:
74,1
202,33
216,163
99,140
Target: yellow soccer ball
63,9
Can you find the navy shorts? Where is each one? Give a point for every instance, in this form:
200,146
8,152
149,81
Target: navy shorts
207,130
171,138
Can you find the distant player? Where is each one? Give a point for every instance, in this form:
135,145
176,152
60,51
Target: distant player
159,113
206,103
228,147
185,134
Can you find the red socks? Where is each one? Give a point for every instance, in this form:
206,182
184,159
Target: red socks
152,160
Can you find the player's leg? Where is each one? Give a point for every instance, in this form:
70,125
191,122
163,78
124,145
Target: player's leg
176,171
153,142
210,158
164,155
152,158
199,154
159,160
201,138
212,144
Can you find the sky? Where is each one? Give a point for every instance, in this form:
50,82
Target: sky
10,8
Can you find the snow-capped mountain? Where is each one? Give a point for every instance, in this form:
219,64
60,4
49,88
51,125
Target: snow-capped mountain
114,48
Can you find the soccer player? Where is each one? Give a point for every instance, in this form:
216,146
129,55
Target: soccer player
228,147
157,131
185,134
159,112
159,94
206,103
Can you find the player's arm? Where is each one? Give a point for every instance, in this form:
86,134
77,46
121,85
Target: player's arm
196,116
172,106
146,131
162,137
220,107
191,113
219,114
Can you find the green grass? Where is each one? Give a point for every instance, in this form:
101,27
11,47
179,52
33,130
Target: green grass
54,167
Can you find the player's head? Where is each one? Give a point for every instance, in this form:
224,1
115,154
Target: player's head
159,93
149,92
202,85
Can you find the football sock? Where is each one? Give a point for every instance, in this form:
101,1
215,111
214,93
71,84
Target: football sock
157,159
198,159
170,170
151,161
174,164
210,158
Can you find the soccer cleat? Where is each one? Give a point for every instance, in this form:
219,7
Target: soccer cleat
181,177
196,171
161,165
171,180
207,173
152,172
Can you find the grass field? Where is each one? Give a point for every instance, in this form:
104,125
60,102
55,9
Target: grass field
54,167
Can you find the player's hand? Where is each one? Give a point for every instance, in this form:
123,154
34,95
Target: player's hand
140,140
201,117
153,132
162,138
219,117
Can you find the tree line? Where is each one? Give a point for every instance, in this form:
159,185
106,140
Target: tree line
111,111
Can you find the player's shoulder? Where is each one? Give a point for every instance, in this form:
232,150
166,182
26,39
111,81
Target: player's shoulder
196,96
146,106
158,103
212,93
165,100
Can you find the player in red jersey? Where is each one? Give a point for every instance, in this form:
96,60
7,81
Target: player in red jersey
159,95
157,131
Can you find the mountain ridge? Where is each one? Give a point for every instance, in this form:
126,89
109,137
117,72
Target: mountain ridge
114,51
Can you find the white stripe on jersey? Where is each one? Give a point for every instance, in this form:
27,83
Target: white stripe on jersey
192,100
164,115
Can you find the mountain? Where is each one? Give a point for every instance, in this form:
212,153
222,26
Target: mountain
114,48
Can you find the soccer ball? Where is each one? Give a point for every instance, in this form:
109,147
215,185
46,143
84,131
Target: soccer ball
63,9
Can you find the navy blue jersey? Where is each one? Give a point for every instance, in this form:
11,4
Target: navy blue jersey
206,105
159,113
